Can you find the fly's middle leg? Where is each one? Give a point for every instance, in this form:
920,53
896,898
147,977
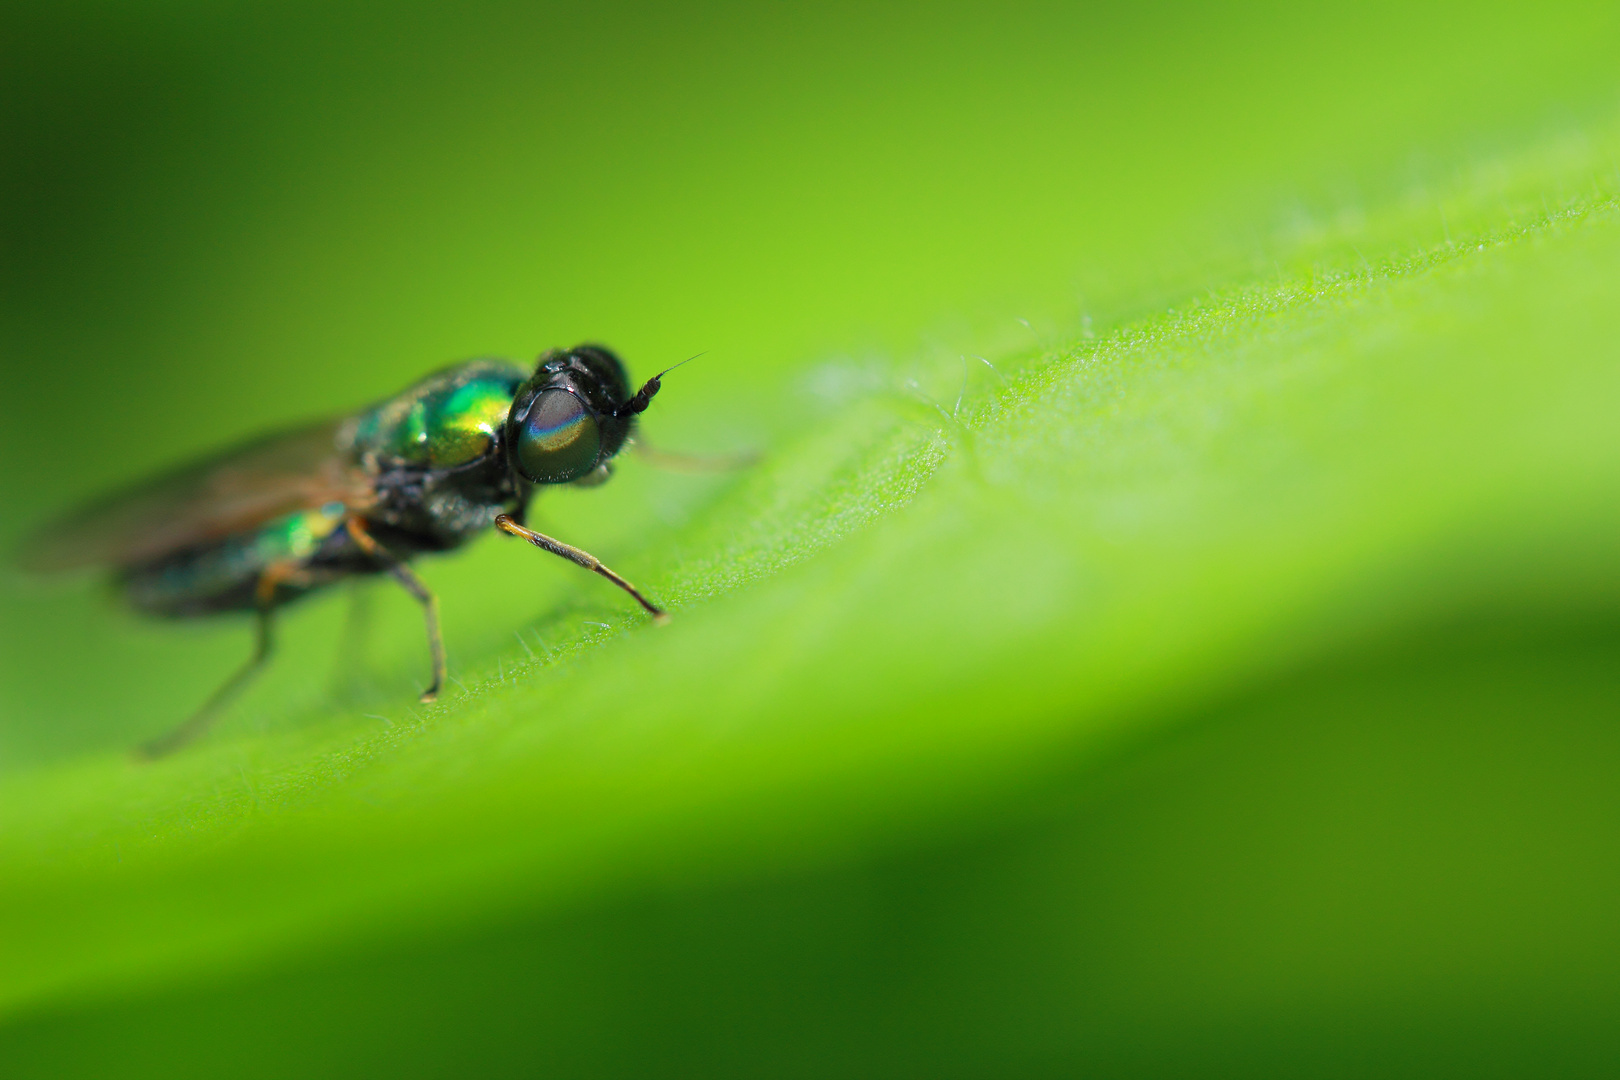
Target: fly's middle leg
413,585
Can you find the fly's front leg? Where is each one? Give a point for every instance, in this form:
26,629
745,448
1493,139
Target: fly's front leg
413,585
578,557
264,600
678,461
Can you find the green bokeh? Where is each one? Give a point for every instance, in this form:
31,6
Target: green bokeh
1224,681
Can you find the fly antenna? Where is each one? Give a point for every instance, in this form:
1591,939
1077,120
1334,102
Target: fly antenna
645,395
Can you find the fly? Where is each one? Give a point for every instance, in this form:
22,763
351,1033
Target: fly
455,455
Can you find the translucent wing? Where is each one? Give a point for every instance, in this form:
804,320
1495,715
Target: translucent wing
232,492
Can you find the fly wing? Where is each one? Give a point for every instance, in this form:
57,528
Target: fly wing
233,492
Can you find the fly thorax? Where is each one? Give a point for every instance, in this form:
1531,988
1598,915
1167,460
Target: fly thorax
448,420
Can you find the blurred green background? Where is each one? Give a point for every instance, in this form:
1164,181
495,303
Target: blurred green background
1221,678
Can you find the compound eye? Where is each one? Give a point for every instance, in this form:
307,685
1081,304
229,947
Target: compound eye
559,440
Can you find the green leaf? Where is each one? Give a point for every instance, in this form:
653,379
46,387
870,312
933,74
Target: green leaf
1232,683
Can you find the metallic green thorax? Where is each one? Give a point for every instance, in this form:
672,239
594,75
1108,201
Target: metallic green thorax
448,419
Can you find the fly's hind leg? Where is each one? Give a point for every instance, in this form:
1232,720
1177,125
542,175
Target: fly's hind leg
264,596
413,585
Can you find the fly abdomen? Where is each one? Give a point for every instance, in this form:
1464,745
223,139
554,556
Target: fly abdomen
224,575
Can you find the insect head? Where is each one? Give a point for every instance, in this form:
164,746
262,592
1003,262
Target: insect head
572,415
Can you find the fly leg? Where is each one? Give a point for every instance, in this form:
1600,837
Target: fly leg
574,555
264,596
678,461
413,585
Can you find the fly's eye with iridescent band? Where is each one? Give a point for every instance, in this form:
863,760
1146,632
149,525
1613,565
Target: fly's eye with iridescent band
557,439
